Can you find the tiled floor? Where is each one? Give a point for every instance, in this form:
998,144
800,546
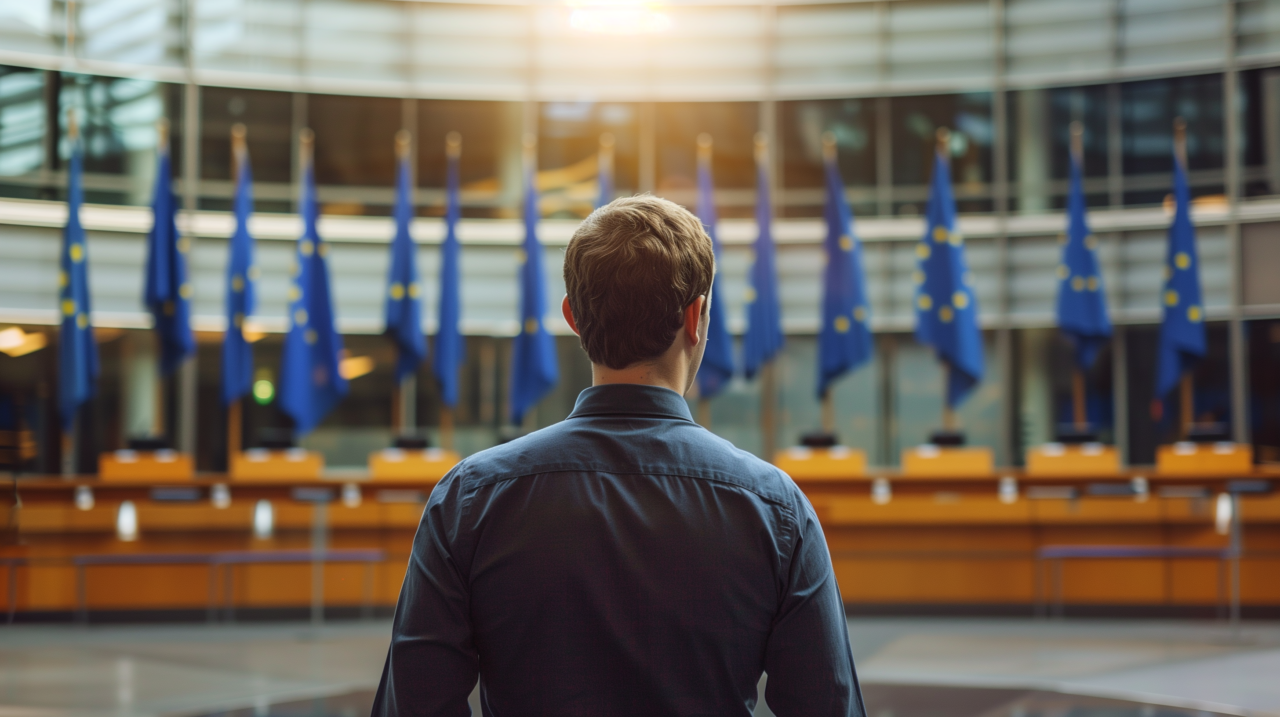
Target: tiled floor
910,668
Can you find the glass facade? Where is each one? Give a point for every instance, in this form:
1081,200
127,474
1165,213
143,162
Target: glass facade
883,77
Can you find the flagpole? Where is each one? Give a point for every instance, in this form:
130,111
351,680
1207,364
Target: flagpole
1078,393
1187,387
704,402
68,435
768,390
452,150
404,405
943,145
605,167
235,417
828,401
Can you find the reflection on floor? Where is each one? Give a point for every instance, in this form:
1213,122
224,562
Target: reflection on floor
908,667
881,701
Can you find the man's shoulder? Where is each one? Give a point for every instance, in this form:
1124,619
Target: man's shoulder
682,450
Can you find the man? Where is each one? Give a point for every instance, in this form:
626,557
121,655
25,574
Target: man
624,561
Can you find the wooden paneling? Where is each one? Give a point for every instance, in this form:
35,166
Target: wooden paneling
940,542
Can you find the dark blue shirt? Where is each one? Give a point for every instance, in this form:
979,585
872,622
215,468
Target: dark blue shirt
625,561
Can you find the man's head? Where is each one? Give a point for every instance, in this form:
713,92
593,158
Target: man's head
638,276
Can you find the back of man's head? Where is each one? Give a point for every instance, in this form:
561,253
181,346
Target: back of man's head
630,270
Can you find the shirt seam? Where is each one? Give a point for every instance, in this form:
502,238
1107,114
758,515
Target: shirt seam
579,469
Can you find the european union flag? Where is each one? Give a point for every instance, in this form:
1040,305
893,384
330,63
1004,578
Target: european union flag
404,307
605,171
763,338
717,360
77,351
237,352
1182,339
1082,302
311,381
534,369
946,307
168,291
844,341
449,346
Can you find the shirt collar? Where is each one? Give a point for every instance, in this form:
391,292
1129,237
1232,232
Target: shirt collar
631,399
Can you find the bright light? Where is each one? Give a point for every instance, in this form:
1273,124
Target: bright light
263,391
220,494
1223,514
84,497
617,17
355,366
15,342
127,522
264,520
351,495
881,493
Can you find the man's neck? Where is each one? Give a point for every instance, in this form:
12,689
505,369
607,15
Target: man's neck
646,374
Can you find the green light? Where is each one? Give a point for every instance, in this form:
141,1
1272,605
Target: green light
263,391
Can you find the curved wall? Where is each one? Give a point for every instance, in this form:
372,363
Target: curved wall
712,51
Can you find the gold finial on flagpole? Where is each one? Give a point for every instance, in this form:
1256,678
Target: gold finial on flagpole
73,127
944,141
1180,140
453,144
162,134
704,147
1077,142
239,148
762,146
306,143
829,145
404,142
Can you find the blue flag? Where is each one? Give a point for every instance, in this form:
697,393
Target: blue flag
77,350
534,370
946,306
844,341
311,381
1082,302
404,306
1182,339
763,338
605,171
717,361
168,291
237,352
450,349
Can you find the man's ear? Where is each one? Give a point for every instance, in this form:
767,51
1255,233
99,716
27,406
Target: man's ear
693,320
568,314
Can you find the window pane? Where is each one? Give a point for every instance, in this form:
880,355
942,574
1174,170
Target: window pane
117,119
355,142
915,121
569,134
801,127
268,121
22,128
1040,121
1148,109
732,126
491,155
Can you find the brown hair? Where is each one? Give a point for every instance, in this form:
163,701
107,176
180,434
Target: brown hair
630,270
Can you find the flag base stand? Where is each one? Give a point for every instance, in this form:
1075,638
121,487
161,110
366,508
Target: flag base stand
424,465
1200,460
825,463
1062,459
935,461
132,465
262,464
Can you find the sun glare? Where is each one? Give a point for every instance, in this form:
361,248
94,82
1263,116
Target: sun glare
617,17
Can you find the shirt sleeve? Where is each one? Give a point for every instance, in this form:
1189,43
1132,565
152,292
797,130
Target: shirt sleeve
432,664
809,661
